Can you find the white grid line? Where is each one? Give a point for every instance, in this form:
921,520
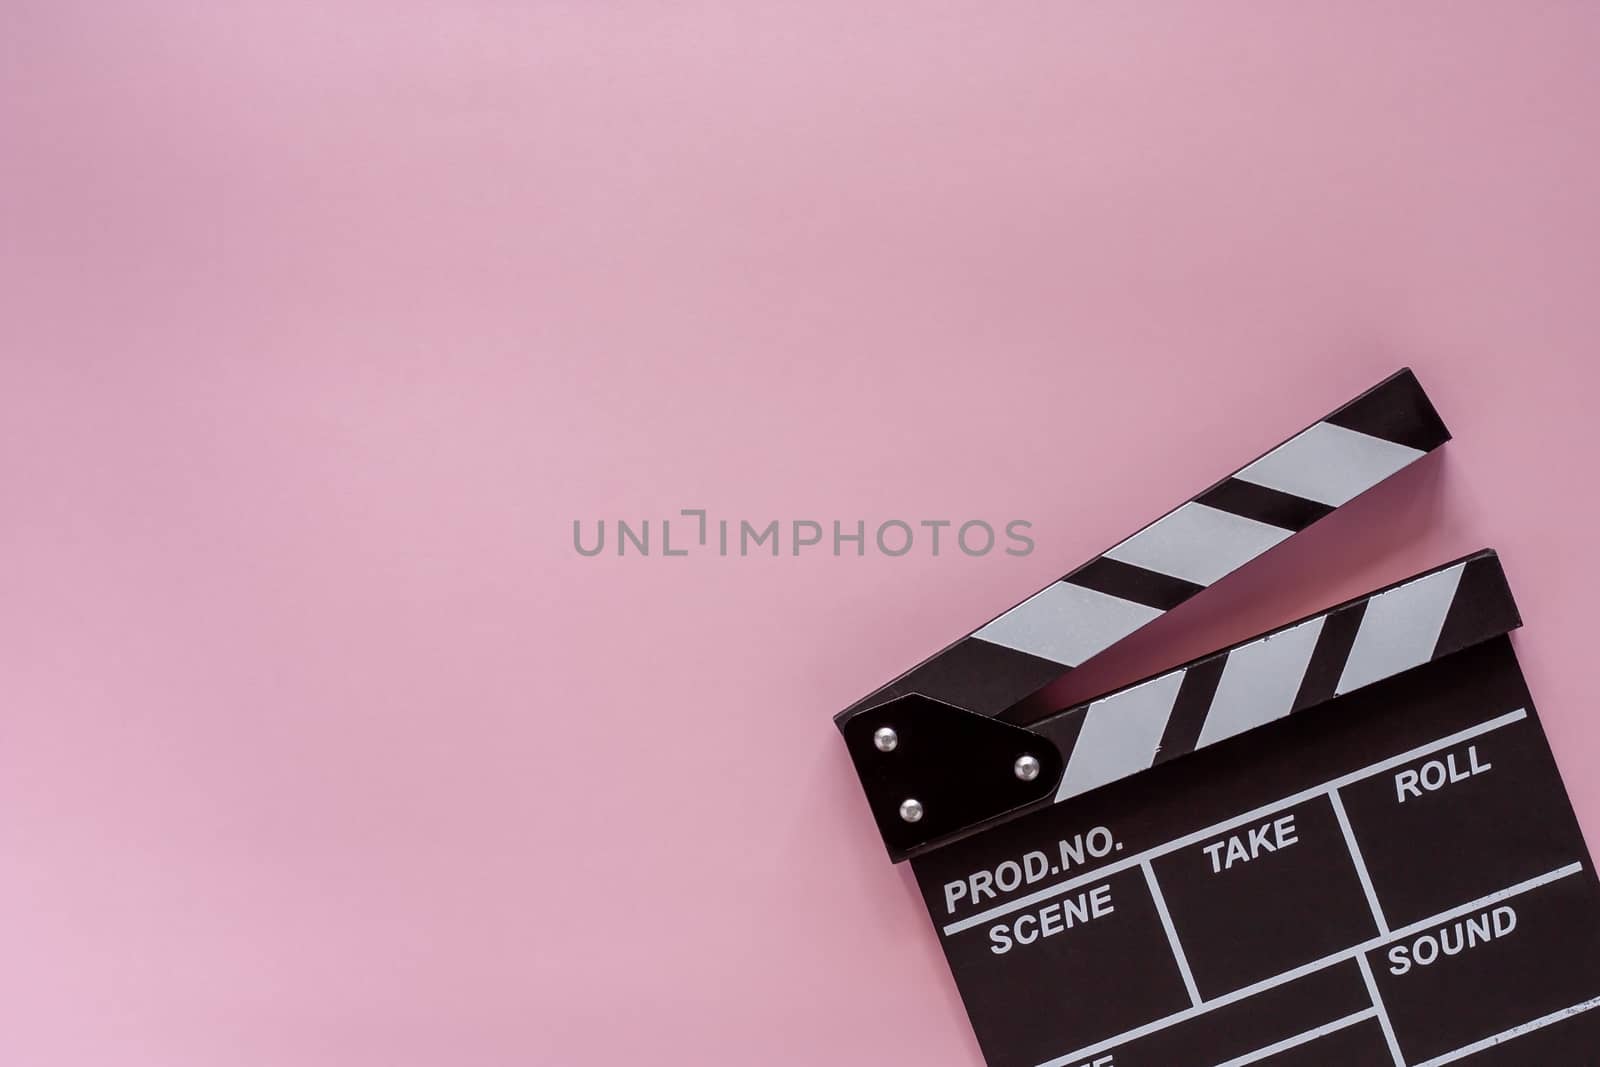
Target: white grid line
1301,1039
1172,934
1383,1014
1361,863
1513,1033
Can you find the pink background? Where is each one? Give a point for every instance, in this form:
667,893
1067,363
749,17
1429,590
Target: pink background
321,322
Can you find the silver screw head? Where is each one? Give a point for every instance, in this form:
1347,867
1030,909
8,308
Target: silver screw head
1026,768
886,739
911,810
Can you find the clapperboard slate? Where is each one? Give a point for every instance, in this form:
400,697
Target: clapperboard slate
1342,842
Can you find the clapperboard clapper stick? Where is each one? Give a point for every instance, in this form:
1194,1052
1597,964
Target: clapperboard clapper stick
1345,841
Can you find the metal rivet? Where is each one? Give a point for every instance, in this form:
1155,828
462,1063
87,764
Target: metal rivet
1026,768
911,810
886,739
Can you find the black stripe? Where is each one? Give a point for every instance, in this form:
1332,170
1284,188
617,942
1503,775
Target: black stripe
1396,410
1338,636
1063,730
1128,582
1483,607
1189,710
1283,510
974,674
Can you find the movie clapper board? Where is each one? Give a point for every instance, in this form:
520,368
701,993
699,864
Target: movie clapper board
1345,841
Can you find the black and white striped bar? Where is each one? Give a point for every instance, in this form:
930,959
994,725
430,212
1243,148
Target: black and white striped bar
1301,665
1269,500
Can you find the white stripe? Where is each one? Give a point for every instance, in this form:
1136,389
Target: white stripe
1172,934
1329,464
1120,736
1383,1014
1076,1056
1301,1039
1360,862
1066,623
1400,629
1199,544
1206,833
1259,682
1515,1032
